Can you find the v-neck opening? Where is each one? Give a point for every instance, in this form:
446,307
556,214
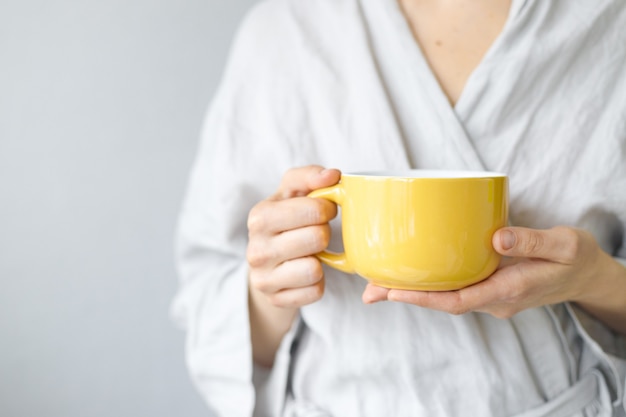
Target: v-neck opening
413,48
407,74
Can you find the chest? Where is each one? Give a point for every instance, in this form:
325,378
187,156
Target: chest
454,38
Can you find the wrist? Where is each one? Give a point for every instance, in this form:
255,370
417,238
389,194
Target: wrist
604,296
268,326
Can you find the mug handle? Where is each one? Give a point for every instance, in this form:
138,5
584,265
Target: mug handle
336,194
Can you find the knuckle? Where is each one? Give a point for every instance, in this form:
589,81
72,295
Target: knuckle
320,211
299,297
315,213
319,238
312,211
262,281
316,292
286,190
571,243
313,270
288,175
256,218
259,283
533,243
257,255
277,300
458,309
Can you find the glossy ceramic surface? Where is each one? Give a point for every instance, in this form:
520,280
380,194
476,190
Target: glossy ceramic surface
420,230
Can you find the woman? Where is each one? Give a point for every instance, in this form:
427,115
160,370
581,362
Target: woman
533,88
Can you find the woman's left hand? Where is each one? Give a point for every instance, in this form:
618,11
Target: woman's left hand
540,267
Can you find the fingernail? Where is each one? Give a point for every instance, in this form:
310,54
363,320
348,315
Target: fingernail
507,239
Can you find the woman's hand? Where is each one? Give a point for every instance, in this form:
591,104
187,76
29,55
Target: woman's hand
541,267
285,232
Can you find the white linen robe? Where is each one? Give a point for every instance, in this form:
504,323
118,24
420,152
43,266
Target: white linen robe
342,83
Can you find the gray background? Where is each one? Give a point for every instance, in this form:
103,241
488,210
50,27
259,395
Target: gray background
101,103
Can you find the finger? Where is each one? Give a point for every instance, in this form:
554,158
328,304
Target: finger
513,289
559,244
295,273
298,182
448,301
298,297
374,293
293,244
476,297
503,294
271,217
500,288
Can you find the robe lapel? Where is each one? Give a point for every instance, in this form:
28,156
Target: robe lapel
433,133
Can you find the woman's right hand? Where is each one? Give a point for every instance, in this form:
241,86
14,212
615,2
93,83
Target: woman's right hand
285,232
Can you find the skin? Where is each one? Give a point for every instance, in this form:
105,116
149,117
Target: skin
285,232
541,267
454,36
545,267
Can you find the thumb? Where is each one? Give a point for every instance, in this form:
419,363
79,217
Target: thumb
551,244
298,182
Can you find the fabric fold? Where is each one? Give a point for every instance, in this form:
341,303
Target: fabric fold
340,83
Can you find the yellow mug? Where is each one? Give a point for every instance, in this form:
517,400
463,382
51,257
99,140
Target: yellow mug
419,229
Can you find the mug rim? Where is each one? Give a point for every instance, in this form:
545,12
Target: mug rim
426,174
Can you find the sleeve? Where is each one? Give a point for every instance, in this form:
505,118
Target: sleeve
608,223
603,349
240,160
211,303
